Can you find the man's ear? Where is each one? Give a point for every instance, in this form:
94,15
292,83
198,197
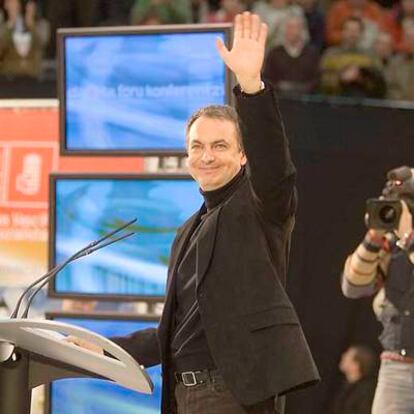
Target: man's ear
243,160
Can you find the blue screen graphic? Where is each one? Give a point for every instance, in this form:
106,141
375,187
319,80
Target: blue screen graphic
136,91
92,396
86,209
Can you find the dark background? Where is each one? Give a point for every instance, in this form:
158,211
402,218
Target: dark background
342,153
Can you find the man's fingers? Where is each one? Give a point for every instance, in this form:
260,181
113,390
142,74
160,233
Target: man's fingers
255,27
263,34
238,28
246,19
222,49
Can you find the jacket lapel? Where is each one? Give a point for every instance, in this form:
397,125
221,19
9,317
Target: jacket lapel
178,250
205,244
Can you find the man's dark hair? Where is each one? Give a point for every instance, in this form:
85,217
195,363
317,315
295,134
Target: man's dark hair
366,359
354,19
222,112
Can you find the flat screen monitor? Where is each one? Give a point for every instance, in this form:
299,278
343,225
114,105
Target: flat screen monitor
94,396
85,207
131,90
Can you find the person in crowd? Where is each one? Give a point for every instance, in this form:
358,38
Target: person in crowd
359,366
23,39
69,13
383,265
274,13
368,11
227,11
400,71
168,11
229,340
200,10
384,48
114,13
401,15
348,69
315,19
294,66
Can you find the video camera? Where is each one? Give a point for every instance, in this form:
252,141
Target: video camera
384,213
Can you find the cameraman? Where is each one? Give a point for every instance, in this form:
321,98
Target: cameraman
383,264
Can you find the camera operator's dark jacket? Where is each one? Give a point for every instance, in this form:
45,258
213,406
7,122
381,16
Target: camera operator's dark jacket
374,268
252,330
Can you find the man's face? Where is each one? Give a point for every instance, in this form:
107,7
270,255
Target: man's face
351,33
214,154
294,30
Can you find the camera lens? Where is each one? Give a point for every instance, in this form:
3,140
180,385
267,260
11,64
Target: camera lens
387,214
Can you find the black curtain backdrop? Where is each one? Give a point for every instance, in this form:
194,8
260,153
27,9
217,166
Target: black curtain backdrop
342,153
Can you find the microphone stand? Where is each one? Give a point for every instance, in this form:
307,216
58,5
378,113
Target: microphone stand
22,370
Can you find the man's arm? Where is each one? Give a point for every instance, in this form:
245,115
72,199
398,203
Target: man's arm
142,345
366,268
271,170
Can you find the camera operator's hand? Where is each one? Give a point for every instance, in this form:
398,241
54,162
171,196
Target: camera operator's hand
405,226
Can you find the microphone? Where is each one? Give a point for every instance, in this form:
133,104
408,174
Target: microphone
90,248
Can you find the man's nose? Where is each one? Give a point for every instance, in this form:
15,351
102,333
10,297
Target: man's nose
208,155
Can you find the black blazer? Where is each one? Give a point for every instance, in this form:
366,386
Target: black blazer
251,327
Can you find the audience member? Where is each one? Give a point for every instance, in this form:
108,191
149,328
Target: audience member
226,12
384,48
359,366
350,70
200,10
315,19
114,13
293,67
274,13
369,12
400,71
400,16
69,13
168,11
23,38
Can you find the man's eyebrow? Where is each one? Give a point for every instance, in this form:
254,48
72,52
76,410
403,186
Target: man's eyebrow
218,141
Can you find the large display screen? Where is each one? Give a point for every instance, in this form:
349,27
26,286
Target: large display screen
133,90
93,396
83,208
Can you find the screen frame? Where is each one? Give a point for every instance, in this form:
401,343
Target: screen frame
123,316
63,34
53,178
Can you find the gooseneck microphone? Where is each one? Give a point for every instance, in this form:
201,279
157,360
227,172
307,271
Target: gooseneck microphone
90,248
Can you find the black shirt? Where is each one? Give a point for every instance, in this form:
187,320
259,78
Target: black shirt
189,345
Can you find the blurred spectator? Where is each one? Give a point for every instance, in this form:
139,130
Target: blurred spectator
274,13
168,11
23,38
400,72
114,13
359,366
315,20
348,69
200,10
400,16
227,11
293,67
369,12
384,48
69,13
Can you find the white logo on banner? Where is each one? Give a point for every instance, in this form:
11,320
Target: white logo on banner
29,180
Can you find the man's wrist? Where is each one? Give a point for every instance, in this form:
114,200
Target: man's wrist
251,86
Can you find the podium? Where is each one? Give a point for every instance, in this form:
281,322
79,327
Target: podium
32,353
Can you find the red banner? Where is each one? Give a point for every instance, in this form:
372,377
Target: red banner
29,152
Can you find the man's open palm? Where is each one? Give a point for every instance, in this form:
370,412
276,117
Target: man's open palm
245,59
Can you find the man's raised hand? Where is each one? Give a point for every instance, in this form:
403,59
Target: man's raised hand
245,59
